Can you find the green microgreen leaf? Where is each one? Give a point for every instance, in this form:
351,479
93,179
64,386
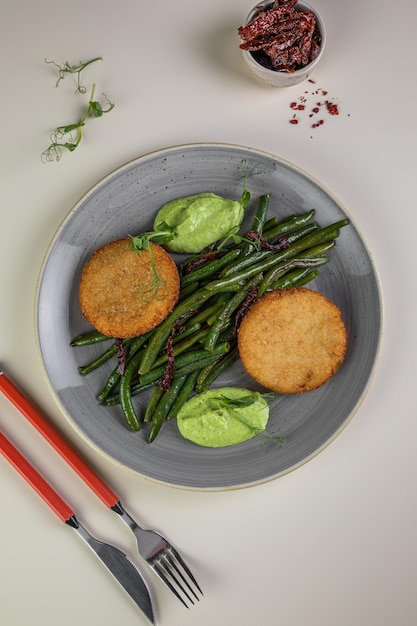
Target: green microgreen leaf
164,235
143,242
247,171
96,109
237,403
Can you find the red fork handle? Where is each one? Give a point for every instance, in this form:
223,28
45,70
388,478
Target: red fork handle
34,479
51,434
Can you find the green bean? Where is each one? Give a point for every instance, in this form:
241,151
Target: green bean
282,282
209,374
257,223
261,213
192,357
263,254
270,223
290,224
115,375
292,278
88,339
162,408
191,367
152,404
184,393
307,278
322,235
319,250
161,334
296,226
188,330
282,268
208,312
105,356
135,389
301,232
126,403
187,291
210,268
111,383
182,346
224,316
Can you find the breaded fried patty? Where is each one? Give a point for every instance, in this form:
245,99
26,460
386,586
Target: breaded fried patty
119,294
292,340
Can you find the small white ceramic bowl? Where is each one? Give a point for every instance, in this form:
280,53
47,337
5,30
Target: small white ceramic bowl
271,77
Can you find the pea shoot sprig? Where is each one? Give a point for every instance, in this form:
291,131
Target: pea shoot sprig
66,68
69,136
248,171
63,136
143,242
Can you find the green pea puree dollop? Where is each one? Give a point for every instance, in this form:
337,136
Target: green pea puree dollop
199,220
223,416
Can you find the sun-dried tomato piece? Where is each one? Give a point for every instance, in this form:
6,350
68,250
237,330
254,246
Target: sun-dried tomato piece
261,24
281,37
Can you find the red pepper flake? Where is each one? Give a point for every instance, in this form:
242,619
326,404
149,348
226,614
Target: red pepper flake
297,107
317,108
332,108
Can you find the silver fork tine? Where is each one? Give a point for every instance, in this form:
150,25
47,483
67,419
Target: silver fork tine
161,569
187,571
164,559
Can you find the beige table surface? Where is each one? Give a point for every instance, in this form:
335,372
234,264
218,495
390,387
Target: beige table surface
333,543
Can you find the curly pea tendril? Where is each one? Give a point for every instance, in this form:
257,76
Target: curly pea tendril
66,68
69,136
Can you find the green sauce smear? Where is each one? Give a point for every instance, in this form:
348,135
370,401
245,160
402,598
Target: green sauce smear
198,221
223,417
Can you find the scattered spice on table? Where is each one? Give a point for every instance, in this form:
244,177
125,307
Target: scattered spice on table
315,105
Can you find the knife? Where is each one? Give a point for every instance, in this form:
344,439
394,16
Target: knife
116,562
108,497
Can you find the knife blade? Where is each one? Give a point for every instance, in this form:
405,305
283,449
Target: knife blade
115,561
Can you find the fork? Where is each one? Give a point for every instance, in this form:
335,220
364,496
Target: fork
164,559
154,548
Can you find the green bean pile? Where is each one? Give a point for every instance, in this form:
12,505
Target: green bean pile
213,295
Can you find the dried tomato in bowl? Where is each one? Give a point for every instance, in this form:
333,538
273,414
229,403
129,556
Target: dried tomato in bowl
282,36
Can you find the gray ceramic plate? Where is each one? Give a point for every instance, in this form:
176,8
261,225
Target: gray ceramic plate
125,203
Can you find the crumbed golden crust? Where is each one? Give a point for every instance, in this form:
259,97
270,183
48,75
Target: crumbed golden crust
118,293
292,340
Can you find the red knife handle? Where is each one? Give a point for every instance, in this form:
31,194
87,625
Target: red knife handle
51,434
34,479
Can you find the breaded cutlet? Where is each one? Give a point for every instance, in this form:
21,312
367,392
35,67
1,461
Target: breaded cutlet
292,340
119,293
